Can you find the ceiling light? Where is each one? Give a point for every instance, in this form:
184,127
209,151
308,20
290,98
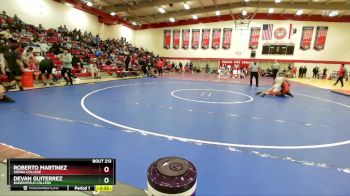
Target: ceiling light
161,10
134,23
217,13
68,4
246,0
333,13
172,19
244,12
271,10
113,13
89,4
195,17
299,12
186,6
278,1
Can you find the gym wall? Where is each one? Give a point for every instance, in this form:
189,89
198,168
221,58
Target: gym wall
335,47
52,14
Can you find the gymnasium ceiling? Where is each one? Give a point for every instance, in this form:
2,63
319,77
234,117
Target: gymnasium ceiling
143,12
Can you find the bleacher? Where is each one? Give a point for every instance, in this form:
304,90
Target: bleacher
52,36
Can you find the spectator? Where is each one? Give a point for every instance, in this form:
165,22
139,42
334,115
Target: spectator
46,65
191,67
66,71
96,41
181,67
95,72
44,48
3,66
33,66
127,62
27,54
343,73
315,72
207,69
324,75
40,28
294,71
304,71
6,34
300,71
143,65
76,61
55,48
172,67
15,66
160,65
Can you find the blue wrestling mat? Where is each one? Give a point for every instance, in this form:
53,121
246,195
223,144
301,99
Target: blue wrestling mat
240,143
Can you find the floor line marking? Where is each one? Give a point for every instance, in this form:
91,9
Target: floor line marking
323,165
196,141
173,93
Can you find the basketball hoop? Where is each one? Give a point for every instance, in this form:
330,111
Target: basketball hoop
242,24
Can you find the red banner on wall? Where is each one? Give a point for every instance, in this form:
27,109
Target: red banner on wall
176,39
205,38
167,39
254,38
185,38
216,36
320,38
195,38
226,40
306,37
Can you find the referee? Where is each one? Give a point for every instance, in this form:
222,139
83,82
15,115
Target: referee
275,68
254,72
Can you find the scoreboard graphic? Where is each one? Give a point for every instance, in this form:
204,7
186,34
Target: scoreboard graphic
61,174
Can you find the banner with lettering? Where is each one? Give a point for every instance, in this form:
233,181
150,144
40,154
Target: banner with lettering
195,38
216,36
205,38
227,37
306,37
235,64
320,38
185,38
245,63
254,38
176,39
167,39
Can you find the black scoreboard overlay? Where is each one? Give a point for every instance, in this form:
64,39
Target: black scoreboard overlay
97,174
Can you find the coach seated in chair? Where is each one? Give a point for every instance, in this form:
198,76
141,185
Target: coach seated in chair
268,73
